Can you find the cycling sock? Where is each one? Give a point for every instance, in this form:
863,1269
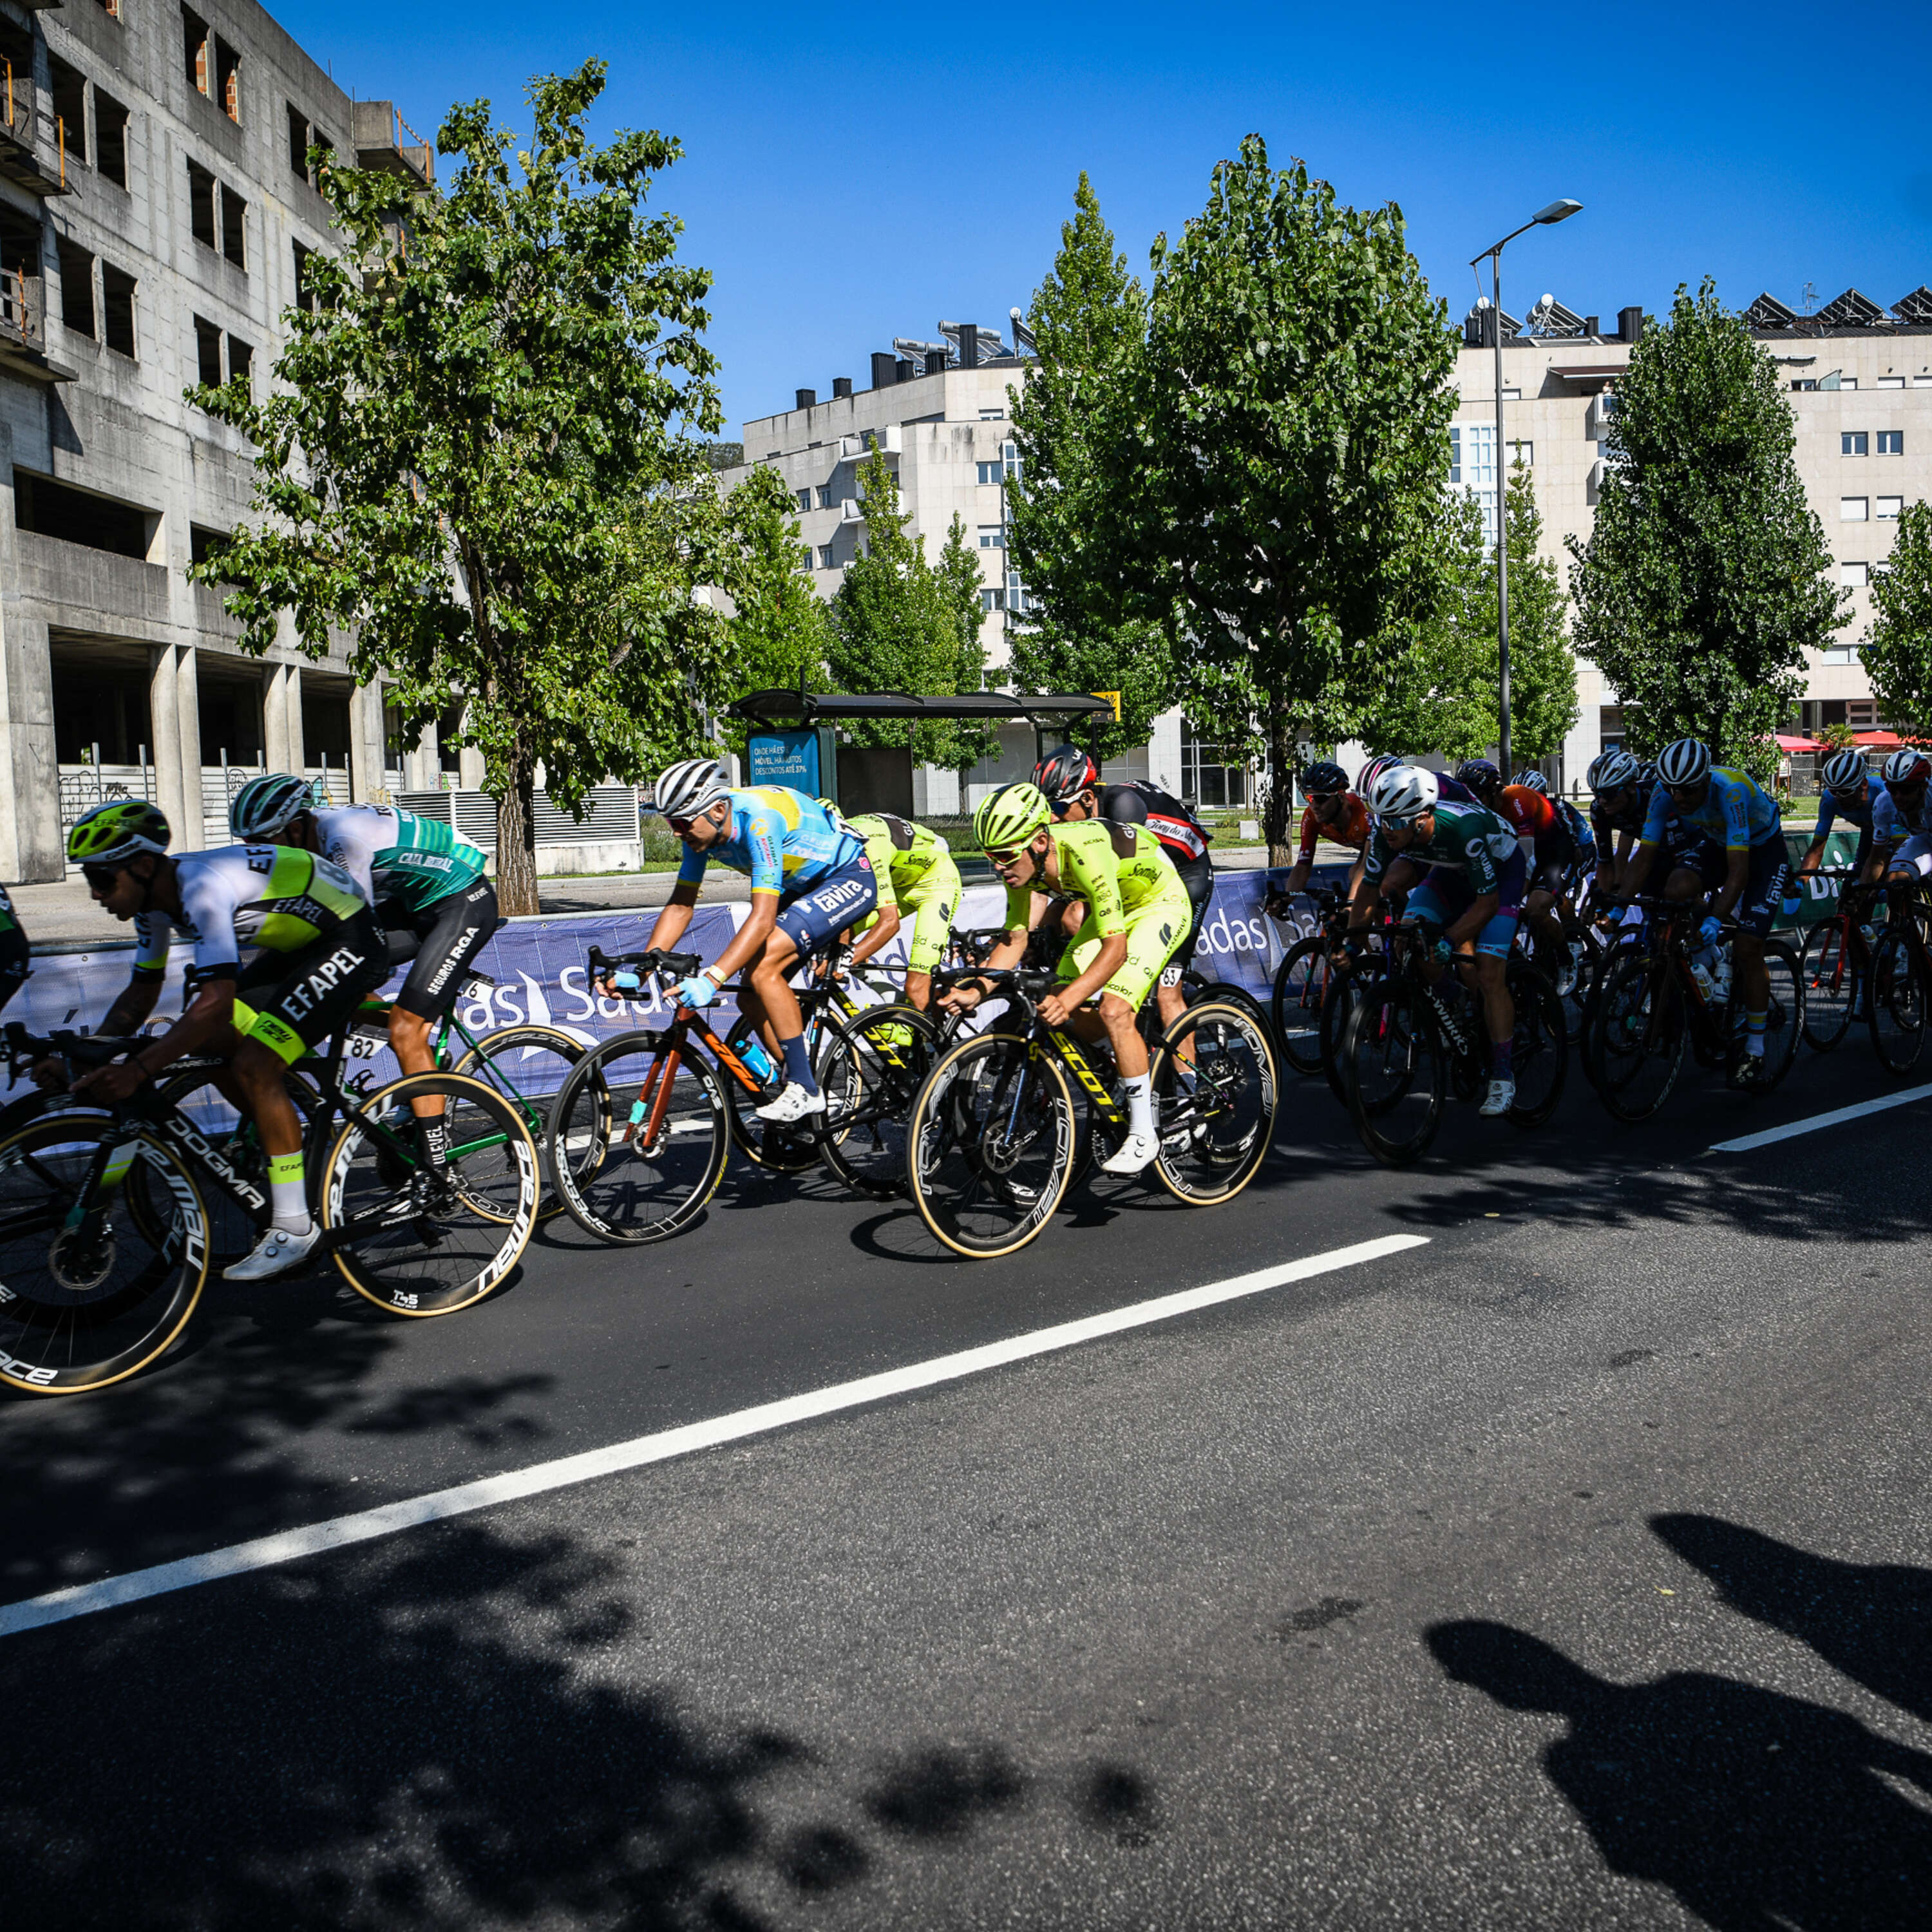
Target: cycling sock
432,1137
1754,1027
797,1067
288,1197
1139,1090
1500,1067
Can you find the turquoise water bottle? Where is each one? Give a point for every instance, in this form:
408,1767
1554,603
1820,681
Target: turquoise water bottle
757,1061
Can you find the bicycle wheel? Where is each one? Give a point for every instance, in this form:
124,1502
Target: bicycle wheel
1573,992
1216,1101
991,1143
1638,1038
871,1068
783,1150
87,1302
1302,983
1784,1017
1344,994
1828,969
623,1175
1395,1071
1897,1001
400,1240
1540,1054
528,1065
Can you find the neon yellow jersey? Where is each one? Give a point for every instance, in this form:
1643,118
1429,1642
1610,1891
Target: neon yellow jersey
1114,869
905,857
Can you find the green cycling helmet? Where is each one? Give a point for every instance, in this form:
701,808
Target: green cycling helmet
119,830
260,812
1011,816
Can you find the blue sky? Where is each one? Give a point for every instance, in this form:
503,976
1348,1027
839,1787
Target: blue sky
854,173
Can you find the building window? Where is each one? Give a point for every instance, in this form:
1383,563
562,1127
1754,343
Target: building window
1009,460
69,90
1922,382
1840,654
194,40
1472,455
304,292
77,274
1891,382
992,416
990,472
207,353
241,364
228,77
805,556
1019,598
992,536
825,556
117,309
1891,443
1210,774
1891,509
234,228
1524,453
804,498
826,501
1854,576
1853,509
201,200
110,138
1853,442
992,600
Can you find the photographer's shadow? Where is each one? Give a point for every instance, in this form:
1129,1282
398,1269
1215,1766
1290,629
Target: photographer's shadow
1760,1812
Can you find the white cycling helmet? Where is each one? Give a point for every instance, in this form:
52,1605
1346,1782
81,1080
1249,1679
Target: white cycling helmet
1844,771
1530,779
1906,766
1613,770
1402,793
1685,762
686,789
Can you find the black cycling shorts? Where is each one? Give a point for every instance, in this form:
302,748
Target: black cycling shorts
294,1002
1198,876
442,941
15,962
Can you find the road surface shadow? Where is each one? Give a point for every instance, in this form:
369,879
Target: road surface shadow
1758,1810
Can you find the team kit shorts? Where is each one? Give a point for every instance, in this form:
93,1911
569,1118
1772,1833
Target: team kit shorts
842,898
441,940
1445,895
1764,883
293,1002
1198,876
1914,856
1155,930
933,905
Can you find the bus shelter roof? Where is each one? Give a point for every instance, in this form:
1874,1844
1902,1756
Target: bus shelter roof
797,708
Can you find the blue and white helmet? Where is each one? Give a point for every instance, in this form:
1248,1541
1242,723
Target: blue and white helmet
1844,771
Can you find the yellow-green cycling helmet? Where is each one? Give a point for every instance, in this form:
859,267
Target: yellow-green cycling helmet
1011,816
113,833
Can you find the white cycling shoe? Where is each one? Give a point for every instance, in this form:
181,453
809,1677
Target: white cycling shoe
1137,1151
791,1106
275,1253
1501,1099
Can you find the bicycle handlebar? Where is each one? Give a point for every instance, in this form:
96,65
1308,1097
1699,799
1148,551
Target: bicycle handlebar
669,965
92,1049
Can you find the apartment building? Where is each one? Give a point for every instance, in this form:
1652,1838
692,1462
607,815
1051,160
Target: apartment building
1860,380
157,205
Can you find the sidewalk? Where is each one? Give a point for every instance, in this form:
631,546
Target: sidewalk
63,917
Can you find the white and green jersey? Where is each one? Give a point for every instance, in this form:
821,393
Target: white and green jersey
276,897
392,854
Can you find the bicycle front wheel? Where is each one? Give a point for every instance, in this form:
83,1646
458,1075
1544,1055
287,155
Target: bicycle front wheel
1395,1072
1828,969
1638,1037
1539,1050
90,1298
1215,1085
1784,1015
638,1141
413,1241
870,1070
1302,983
1896,1000
527,1065
992,1144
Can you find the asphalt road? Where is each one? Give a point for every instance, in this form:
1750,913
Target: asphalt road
1569,1570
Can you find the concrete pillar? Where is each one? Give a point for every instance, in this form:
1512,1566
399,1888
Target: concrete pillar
1164,752
31,838
190,829
469,772
282,717
177,780
366,775
422,769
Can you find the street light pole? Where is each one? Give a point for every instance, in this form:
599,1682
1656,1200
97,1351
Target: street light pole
1557,210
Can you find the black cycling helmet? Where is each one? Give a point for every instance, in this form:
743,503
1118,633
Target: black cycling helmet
1064,774
1324,777
1480,774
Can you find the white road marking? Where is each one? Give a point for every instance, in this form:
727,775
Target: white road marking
1813,1123
82,1599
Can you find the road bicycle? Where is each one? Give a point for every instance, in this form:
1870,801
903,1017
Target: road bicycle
1900,982
1416,1038
994,1135
1653,1012
105,1245
1314,988
1835,961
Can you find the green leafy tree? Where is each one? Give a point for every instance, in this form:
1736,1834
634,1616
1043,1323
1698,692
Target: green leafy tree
1897,646
1279,495
1088,320
899,622
779,634
482,454
1706,578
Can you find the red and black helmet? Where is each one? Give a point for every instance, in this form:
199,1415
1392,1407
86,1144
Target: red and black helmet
1065,774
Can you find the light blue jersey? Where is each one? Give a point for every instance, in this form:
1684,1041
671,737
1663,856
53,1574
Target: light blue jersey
1892,819
1734,813
1855,811
788,843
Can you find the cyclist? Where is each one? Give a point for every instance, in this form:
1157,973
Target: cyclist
1578,826
1333,812
14,952
436,908
810,879
1850,792
1740,861
1620,789
1473,891
319,952
913,870
1137,917
1905,813
1071,782
1547,845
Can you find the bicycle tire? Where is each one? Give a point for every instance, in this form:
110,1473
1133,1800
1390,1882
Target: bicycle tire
1303,983
966,1192
1828,969
1392,1038
384,1234
1784,1014
502,1059
608,1186
1628,1037
1217,1105
66,1326
1539,1050
780,1150
871,1075
1896,999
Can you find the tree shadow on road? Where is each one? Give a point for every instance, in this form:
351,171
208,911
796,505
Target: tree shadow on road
1758,1810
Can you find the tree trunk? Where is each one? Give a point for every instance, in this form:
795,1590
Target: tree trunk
1276,812
516,843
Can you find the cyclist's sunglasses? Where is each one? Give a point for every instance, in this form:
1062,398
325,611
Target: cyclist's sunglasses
100,878
1321,799
1006,855
1687,790
1060,807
